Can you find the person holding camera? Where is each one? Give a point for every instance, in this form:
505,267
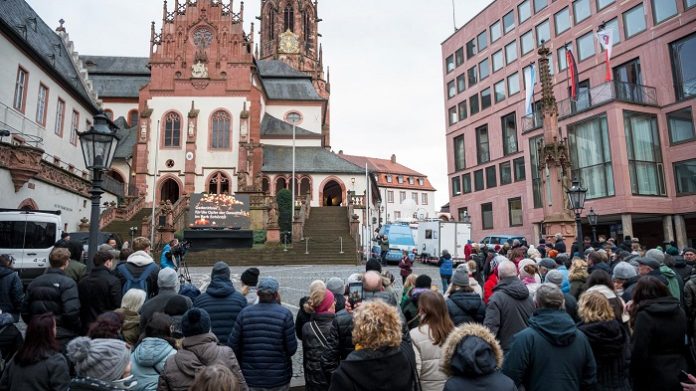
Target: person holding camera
168,254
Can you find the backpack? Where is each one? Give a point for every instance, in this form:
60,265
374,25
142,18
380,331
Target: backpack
137,283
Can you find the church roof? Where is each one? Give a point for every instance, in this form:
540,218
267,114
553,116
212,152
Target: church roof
307,160
272,126
277,68
384,167
117,77
127,138
283,82
23,24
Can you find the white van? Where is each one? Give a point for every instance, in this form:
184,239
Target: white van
29,237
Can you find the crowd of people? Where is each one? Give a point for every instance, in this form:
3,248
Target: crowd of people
605,316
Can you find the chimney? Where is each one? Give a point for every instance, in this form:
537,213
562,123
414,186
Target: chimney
393,158
340,152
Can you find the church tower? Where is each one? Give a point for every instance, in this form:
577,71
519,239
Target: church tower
289,32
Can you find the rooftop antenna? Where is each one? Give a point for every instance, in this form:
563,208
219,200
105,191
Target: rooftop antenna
454,16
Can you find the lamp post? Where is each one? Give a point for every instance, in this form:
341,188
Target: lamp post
98,145
293,118
592,218
576,196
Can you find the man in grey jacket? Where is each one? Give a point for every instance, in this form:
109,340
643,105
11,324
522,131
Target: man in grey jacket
510,307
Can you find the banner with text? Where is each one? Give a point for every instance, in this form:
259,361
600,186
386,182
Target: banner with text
219,211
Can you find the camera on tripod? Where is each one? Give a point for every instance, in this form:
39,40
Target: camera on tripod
181,249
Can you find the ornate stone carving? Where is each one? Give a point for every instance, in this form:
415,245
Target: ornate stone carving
25,163
273,215
289,43
199,70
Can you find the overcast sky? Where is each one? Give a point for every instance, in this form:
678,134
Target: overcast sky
384,55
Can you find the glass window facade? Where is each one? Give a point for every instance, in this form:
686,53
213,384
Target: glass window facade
586,46
449,63
518,165
613,25
685,177
496,32
644,154
510,52
509,22
581,10
491,180
543,32
486,98
527,42
634,21
473,104
681,125
459,163
484,69
513,82
505,173
451,89
456,186
478,180
562,60
562,20
515,211
466,183
540,5
482,149
683,53
462,109
603,3
461,83
472,76
452,115
591,156
524,11
663,10
482,41
487,215
497,60
499,90
459,57
509,125
470,49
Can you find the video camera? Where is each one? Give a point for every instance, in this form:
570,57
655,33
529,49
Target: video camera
181,249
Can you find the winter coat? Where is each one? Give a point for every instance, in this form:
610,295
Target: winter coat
616,303
565,285
410,308
147,362
509,310
49,374
464,307
446,265
628,287
385,369
577,286
137,263
428,357
657,345
131,326
164,261
571,306
560,246
301,318
263,339
405,265
11,292
90,384
196,353
99,292
682,268
10,337
610,345
473,358
223,303
674,282
315,332
56,293
551,354
490,284
340,338
76,270
157,304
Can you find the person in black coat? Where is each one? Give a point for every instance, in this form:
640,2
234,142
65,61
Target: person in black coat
609,340
100,290
322,306
57,293
11,290
10,337
472,359
559,245
222,302
658,351
463,304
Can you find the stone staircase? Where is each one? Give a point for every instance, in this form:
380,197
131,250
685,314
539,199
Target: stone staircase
322,233
122,227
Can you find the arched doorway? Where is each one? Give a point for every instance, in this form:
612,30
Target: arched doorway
169,190
280,184
332,194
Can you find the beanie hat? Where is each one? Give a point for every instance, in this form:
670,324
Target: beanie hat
554,277
268,285
326,303
520,267
220,269
650,262
548,263
624,271
461,276
195,321
176,305
167,278
656,255
101,358
673,251
250,277
335,285
497,260
373,264
424,281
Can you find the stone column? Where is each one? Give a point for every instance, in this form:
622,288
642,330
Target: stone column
626,225
680,231
537,234
667,229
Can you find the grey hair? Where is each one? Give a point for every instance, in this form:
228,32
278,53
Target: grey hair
549,295
133,299
507,269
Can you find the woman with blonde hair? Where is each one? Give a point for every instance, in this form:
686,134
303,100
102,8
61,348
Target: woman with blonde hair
321,306
215,378
609,341
378,362
131,303
409,284
428,338
577,277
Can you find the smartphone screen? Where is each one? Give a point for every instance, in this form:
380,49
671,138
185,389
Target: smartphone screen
355,292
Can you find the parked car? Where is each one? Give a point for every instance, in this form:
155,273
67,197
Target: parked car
29,236
492,240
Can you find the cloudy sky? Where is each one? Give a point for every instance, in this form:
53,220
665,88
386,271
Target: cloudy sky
384,55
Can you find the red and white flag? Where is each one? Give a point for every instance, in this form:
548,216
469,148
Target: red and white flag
606,39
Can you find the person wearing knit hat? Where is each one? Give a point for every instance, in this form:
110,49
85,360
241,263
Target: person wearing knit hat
336,286
571,304
463,304
250,278
321,306
529,274
168,283
656,254
674,281
102,361
373,264
200,349
222,302
624,278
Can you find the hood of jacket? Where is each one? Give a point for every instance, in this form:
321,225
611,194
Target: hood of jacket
151,351
607,338
604,290
471,351
5,271
556,326
513,287
196,353
140,258
466,301
220,287
667,272
661,307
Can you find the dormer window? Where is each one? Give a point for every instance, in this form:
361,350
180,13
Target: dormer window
420,181
400,179
389,179
410,180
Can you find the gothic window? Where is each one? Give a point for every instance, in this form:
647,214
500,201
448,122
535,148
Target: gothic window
219,184
220,137
202,37
289,17
172,130
307,30
265,185
271,26
305,186
281,184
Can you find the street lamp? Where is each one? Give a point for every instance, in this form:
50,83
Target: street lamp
293,118
98,145
592,218
576,195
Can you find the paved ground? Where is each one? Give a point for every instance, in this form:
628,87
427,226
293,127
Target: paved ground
294,284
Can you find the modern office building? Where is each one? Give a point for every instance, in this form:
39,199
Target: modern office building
631,139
